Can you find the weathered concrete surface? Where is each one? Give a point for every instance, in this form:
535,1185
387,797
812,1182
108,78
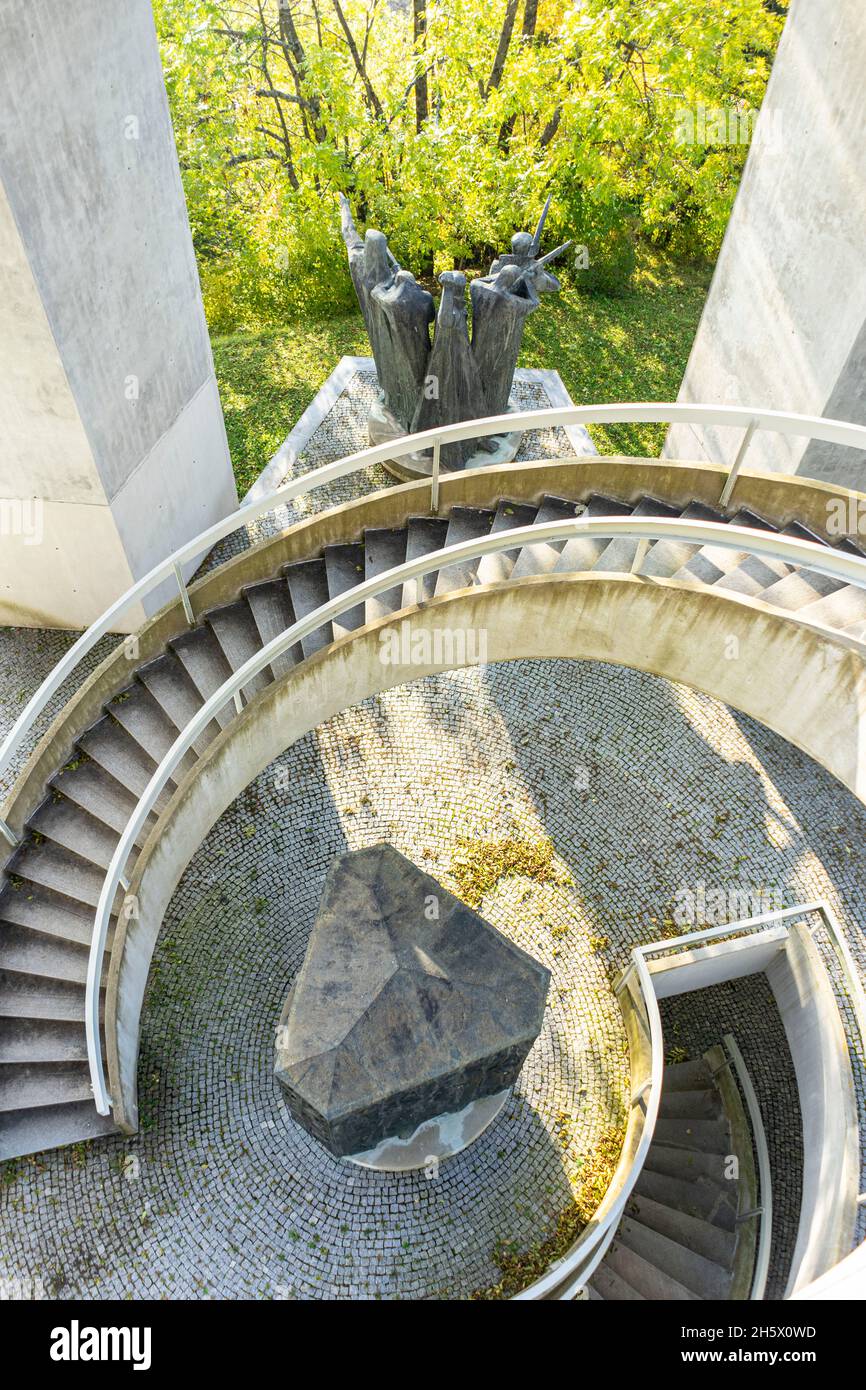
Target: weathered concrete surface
784,325
408,1006
107,392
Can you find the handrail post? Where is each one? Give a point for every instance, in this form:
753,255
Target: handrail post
184,596
434,477
8,833
738,463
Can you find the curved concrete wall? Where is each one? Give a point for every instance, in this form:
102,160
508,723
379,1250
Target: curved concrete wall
806,686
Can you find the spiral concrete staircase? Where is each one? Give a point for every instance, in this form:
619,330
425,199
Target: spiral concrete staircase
688,1233
81,785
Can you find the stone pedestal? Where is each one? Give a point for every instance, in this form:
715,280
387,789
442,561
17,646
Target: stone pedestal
385,429
409,1010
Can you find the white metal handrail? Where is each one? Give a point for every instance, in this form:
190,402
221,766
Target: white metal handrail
749,418
638,964
765,1181
850,568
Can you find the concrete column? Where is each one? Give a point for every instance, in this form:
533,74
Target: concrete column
113,448
784,325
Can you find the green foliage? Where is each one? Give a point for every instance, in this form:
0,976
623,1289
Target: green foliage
451,140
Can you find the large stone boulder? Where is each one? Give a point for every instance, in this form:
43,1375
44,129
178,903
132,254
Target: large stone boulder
408,1006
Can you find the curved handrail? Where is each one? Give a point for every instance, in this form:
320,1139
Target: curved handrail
750,418
765,1181
836,564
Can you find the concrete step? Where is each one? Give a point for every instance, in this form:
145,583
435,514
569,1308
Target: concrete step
687,1076
384,549
235,629
64,873
675,1161
799,589
695,1195
206,665
583,552
146,722
704,1278
617,556
696,1233
493,569
271,606
644,1277
705,1136
541,558
423,535
174,692
839,609
712,562
344,570
665,558
35,997
122,758
32,1040
51,1127
464,524
703,1104
45,912
27,1086
67,825
38,954
612,1286
95,791
308,590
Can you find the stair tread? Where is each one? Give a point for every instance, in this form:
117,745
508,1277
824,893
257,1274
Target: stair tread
344,570
37,953
35,1040
384,549
423,535
27,1086
696,1233
582,553
612,1286
541,557
703,1104
695,1195
652,1283
100,795
617,555
705,1278
122,758
147,724
235,629
308,587
711,562
464,524
205,662
75,830
665,557
30,997
708,1136
31,1130
39,910
493,569
271,606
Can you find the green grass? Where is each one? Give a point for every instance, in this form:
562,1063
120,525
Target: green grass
630,348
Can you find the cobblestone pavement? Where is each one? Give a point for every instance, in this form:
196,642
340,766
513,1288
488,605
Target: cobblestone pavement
644,788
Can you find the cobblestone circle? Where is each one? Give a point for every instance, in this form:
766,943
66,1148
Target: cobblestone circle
644,788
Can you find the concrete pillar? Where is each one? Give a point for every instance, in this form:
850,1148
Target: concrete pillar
784,325
113,448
